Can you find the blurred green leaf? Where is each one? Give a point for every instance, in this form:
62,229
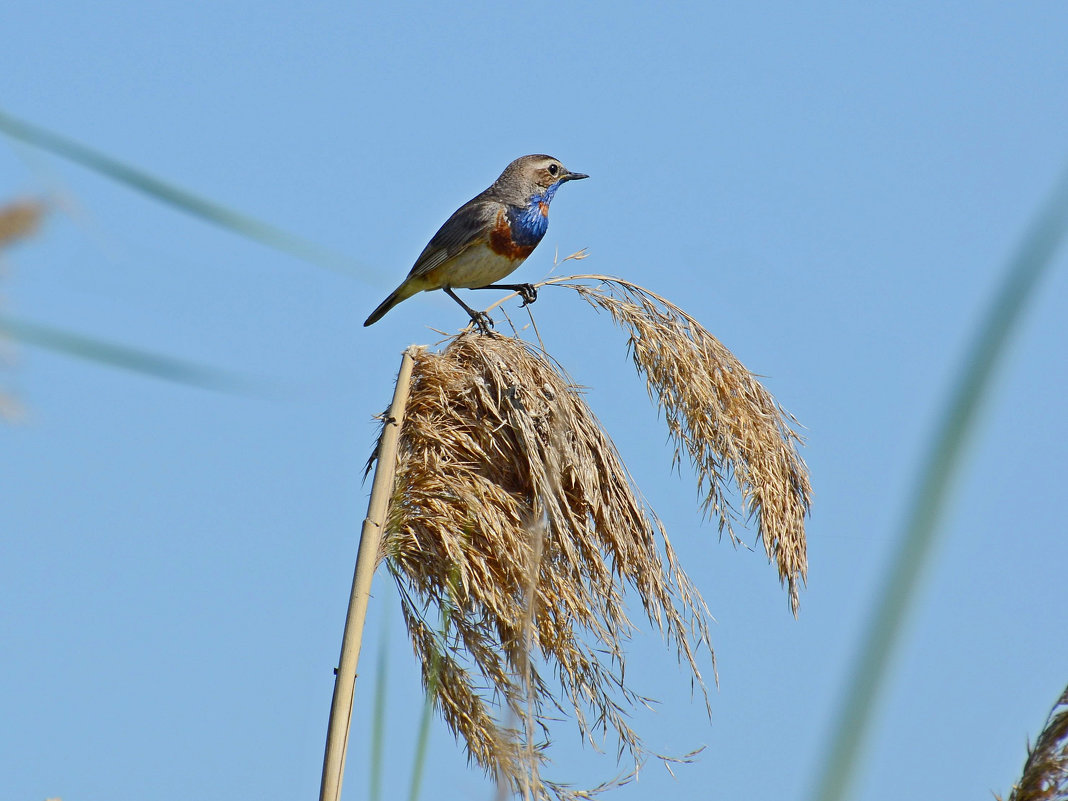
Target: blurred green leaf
936,478
433,683
378,715
122,357
205,209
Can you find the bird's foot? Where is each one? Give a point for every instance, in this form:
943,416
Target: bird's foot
483,322
528,292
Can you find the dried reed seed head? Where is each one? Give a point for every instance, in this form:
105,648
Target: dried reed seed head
514,514
720,416
507,491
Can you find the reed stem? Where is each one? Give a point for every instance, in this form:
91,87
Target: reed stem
337,735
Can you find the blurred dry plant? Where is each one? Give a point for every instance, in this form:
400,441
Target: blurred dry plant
515,521
1045,774
18,220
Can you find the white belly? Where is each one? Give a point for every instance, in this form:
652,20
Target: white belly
477,266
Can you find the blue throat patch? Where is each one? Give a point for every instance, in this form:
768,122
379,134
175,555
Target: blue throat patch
530,223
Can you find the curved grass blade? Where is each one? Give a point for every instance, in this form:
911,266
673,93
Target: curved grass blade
125,358
423,736
378,716
940,468
249,227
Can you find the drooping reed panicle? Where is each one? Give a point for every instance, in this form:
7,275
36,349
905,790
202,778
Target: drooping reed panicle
513,513
501,460
718,414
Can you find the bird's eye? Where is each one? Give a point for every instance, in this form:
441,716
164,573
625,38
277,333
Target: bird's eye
553,169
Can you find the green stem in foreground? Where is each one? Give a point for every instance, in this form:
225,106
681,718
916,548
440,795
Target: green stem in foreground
378,714
243,224
433,682
940,469
126,358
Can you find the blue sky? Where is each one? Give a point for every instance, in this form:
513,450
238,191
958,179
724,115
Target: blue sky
832,189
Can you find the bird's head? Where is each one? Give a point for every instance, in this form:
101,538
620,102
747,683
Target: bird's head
531,178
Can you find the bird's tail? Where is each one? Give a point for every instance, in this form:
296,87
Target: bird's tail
403,292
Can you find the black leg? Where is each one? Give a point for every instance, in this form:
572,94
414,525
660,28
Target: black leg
528,292
482,320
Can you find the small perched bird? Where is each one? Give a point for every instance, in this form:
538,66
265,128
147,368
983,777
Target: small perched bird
488,237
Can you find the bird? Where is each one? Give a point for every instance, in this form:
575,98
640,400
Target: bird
488,237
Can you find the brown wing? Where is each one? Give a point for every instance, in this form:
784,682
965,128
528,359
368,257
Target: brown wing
469,225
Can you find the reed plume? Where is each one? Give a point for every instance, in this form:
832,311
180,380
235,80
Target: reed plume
515,530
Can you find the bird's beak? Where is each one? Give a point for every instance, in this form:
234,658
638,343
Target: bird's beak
574,176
